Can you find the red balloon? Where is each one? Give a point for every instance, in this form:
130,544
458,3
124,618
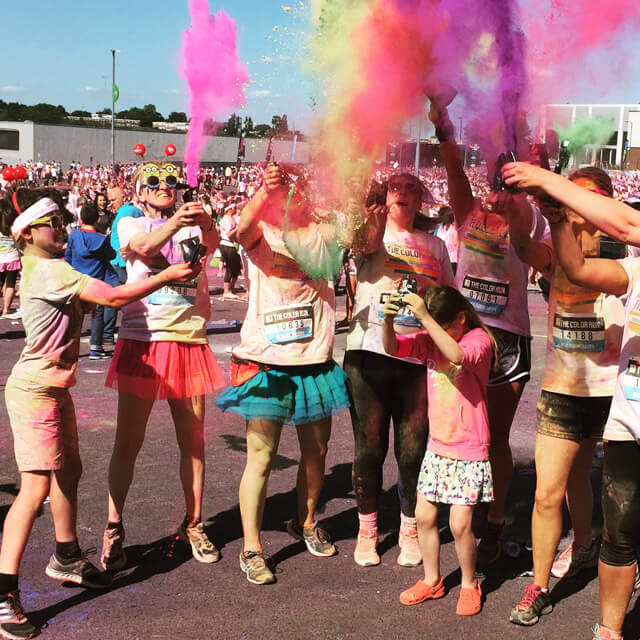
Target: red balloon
9,174
139,149
20,173
169,149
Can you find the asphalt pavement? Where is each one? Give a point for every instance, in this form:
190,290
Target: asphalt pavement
164,594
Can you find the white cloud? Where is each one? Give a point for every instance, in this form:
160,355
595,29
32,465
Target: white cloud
263,93
12,88
90,89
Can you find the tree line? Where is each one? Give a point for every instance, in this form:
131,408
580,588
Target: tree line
235,126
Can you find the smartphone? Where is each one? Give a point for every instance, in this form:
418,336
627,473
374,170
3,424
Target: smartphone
498,184
408,284
611,249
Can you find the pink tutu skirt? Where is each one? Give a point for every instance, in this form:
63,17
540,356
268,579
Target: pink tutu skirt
14,265
162,370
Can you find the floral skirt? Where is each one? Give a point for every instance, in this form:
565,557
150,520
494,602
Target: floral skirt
449,481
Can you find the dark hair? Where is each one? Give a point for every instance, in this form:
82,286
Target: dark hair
445,213
444,303
25,197
89,214
95,200
599,177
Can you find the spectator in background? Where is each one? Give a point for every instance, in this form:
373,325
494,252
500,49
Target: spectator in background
90,252
105,217
446,231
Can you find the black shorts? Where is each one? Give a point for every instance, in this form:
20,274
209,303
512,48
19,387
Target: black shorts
514,358
571,417
9,278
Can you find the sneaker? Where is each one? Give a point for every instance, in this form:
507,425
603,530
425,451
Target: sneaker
13,623
409,555
113,557
98,354
79,571
317,540
601,633
490,546
574,559
202,548
534,603
422,591
365,553
469,601
255,566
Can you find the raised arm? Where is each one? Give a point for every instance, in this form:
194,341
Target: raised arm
460,195
532,252
614,218
594,273
270,194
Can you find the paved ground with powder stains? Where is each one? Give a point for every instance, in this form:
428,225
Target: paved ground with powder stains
164,594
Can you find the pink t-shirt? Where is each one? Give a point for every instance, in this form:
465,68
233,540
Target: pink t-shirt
177,312
458,419
291,318
490,274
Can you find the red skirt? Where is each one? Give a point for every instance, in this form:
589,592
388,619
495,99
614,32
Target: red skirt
162,370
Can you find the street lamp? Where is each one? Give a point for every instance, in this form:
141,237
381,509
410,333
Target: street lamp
114,96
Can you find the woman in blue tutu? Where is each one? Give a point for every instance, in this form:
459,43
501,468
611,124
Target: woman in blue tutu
283,372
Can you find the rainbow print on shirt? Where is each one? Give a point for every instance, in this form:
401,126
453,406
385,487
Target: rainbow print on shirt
411,261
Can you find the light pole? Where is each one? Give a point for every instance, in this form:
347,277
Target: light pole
417,160
114,97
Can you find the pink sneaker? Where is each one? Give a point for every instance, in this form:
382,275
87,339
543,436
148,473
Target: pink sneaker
410,555
365,553
574,559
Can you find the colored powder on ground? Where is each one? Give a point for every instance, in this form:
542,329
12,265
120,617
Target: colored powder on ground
214,74
587,131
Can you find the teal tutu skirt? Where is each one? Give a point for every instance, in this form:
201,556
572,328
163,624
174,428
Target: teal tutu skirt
289,395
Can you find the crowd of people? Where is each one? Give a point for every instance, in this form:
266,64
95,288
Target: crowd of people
438,346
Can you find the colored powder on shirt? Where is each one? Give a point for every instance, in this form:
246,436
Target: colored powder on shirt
214,74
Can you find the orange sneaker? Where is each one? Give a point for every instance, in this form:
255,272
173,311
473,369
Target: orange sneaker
365,553
409,555
470,601
422,591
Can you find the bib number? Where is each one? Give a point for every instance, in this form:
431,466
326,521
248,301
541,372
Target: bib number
631,380
175,294
577,332
486,295
288,324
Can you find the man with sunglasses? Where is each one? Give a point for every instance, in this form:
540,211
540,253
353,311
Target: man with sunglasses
382,387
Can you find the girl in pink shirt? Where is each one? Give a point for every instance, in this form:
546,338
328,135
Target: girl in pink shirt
459,352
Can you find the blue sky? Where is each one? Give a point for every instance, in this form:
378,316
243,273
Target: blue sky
59,52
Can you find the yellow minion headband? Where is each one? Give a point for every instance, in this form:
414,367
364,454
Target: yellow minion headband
153,174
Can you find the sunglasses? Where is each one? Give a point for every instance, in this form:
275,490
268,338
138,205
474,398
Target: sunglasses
54,222
153,182
408,186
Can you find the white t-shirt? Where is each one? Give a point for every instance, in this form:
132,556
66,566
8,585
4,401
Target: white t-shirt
419,255
291,318
490,274
178,311
624,417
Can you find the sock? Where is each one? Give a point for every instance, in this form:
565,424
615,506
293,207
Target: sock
67,550
407,524
8,583
114,525
368,521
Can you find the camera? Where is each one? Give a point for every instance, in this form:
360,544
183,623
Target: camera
408,284
192,250
611,249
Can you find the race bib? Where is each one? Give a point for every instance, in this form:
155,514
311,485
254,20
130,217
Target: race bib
404,317
288,324
487,295
631,380
578,332
175,294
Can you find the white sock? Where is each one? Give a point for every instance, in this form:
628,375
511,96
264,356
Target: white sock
407,524
368,521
